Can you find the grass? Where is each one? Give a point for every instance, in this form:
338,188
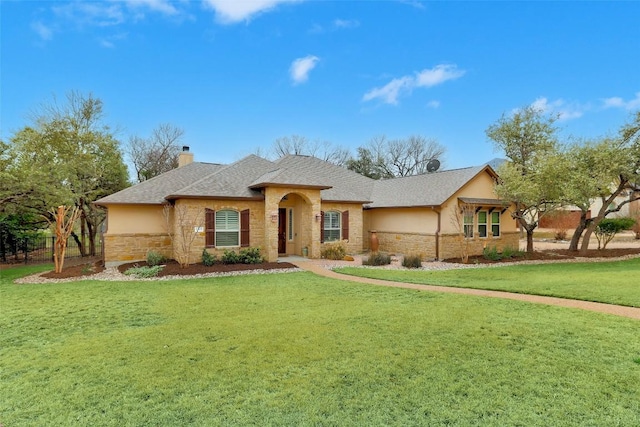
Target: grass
609,282
298,349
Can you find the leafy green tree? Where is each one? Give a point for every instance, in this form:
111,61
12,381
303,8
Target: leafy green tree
607,229
73,157
532,177
623,162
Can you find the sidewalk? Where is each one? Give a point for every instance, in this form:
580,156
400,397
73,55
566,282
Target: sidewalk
321,269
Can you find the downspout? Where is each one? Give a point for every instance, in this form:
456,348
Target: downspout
437,233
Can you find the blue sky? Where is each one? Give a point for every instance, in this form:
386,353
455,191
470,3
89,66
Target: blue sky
236,75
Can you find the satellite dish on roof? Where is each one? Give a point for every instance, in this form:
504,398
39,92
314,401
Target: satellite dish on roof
433,165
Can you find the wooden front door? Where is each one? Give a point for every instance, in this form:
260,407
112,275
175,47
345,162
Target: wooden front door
282,230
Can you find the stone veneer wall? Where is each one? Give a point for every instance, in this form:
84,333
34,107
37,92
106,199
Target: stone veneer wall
121,248
197,209
450,244
355,244
424,244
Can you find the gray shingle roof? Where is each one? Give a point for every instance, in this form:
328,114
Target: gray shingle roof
154,190
431,189
244,178
346,185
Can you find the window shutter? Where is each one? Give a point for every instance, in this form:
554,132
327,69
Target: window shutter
209,228
244,228
345,225
321,226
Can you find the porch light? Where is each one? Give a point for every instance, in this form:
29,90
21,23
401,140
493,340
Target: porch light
318,216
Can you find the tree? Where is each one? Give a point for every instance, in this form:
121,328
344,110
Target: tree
607,229
76,158
532,177
182,224
300,145
384,158
156,154
626,166
65,219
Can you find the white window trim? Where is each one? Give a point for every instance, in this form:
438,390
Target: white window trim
338,228
217,230
290,226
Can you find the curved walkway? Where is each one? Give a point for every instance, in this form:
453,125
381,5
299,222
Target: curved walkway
617,310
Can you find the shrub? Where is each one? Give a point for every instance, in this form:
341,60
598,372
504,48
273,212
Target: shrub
230,257
250,256
609,227
144,272
377,258
154,258
335,250
491,253
208,259
509,252
412,261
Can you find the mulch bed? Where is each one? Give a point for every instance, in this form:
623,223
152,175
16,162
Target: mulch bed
172,268
553,255
84,267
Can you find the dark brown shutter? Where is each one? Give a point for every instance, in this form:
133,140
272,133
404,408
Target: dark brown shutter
244,228
209,228
321,226
345,225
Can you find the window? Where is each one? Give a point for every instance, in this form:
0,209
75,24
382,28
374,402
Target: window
495,224
227,228
290,224
482,224
468,223
332,228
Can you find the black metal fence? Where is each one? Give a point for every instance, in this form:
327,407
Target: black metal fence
40,249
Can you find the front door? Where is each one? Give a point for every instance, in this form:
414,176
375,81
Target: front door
282,230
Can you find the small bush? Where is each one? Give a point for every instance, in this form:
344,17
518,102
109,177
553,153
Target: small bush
509,252
208,259
412,261
377,258
250,256
230,257
335,250
491,253
154,258
144,272
609,227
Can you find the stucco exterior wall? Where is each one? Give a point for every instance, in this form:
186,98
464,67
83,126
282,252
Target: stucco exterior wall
133,230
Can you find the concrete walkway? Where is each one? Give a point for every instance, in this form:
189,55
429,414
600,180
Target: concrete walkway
617,310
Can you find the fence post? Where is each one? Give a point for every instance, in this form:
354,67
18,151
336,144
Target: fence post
53,248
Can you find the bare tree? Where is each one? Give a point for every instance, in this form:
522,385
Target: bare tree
183,225
65,219
462,221
385,158
301,145
156,154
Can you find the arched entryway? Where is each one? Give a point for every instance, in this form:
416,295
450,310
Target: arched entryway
295,219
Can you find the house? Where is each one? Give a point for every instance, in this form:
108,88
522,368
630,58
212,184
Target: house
298,204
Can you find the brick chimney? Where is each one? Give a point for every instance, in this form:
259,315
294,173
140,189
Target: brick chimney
185,156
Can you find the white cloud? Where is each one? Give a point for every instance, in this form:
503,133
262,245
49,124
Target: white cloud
42,30
346,23
559,106
162,6
301,67
390,92
433,104
232,11
438,75
91,13
617,102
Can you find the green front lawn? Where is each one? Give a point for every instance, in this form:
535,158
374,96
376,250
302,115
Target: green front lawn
298,349
616,282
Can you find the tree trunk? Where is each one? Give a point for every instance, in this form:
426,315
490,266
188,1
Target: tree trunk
78,242
584,222
587,236
83,234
